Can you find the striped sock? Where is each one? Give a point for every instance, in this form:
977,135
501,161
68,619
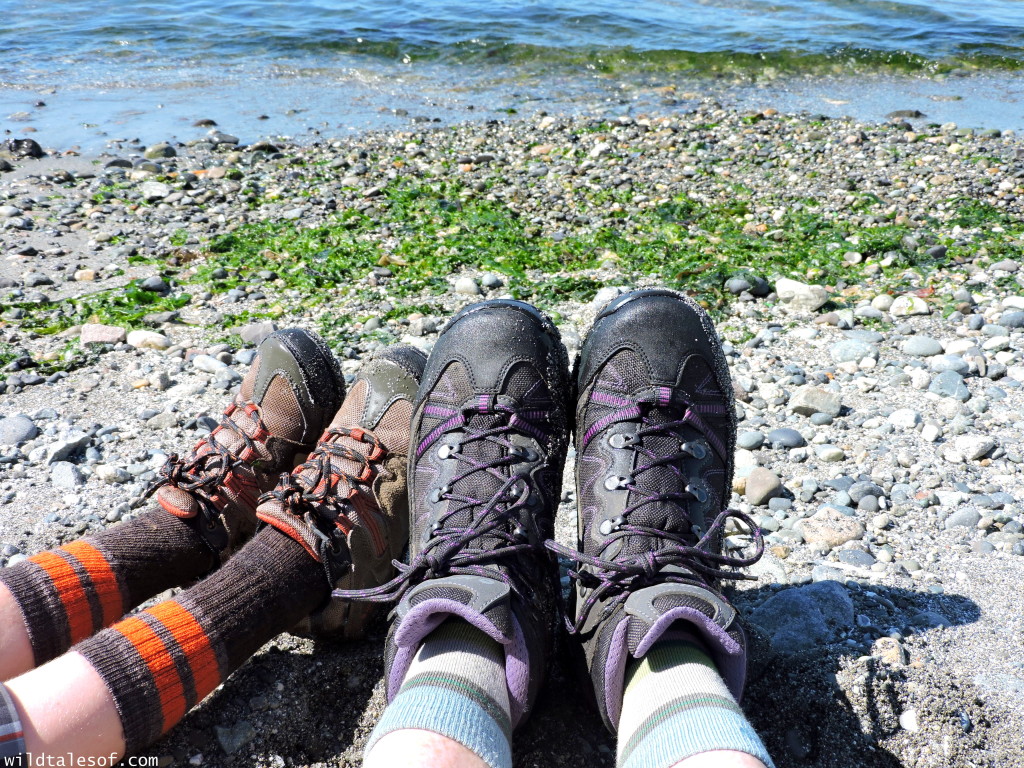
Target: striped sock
456,687
162,661
66,594
676,705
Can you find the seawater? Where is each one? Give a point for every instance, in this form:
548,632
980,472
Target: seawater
324,65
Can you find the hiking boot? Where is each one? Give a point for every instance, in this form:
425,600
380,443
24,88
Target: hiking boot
490,431
290,393
347,505
655,437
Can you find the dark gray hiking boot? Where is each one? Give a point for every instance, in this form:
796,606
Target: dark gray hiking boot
490,430
292,390
655,437
347,505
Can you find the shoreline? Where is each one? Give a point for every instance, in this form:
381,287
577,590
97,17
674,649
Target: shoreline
305,108
895,362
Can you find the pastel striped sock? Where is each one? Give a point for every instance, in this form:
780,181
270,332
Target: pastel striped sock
66,594
161,662
676,705
456,687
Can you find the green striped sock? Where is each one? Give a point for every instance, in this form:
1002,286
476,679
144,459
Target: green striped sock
676,705
456,687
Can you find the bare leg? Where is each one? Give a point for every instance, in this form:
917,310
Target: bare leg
64,706
721,758
15,650
413,748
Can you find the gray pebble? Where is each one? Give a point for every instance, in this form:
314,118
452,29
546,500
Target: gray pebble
751,440
17,429
786,437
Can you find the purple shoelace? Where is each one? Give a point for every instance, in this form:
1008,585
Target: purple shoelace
451,549
620,577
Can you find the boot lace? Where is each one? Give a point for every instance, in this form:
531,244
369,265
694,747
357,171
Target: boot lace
692,550
455,548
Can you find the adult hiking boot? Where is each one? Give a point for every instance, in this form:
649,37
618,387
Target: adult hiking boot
490,429
655,436
289,395
347,504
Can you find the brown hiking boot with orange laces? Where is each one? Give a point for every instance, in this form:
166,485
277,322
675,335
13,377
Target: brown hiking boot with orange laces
289,395
347,505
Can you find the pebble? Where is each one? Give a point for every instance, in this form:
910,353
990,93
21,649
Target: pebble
830,528
786,437
801,296
950,384
255,333
830,453
64,474
963,518
908,305
908,721
810,400
467,286
762,485
750,440
97,333
922,346
852,351
905,418
147,340
974,447
17,429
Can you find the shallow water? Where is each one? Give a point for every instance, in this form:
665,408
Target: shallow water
148,69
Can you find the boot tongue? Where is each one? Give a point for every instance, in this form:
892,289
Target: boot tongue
204,461
479,484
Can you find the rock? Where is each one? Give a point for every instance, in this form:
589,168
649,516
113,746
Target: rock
852,351
24,148
159,151
974,447
830,528
64,474
907,305
908,721
810,400
163,421
85,275
809,298
148,340
108,473
829,453
950,384
882,302
889,651
491,281
62,449
255,333
786,437
762,485
152,191
467,286
160,381
155,283
905,418
805,618
96,333
750,440
1012,319
422,326
967,517
941,363
922,346
208,364
234,738
17,429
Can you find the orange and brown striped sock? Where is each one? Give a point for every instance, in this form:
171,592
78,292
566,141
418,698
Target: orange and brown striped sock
161,662
66,594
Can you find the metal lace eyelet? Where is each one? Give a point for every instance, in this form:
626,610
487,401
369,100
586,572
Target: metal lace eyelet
439,493
696,450
606,527
616,482
621,440
447,451
697,492
520,533
522,452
